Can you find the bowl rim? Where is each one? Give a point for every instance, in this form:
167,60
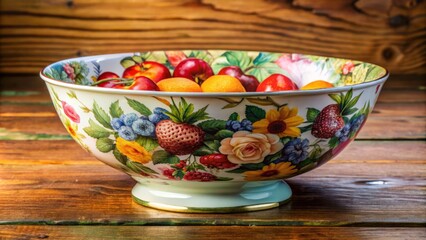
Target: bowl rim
204,94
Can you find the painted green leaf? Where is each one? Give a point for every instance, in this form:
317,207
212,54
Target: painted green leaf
349,111
333,142
261,72
353,101
204,55
213,145
234,117
178,173
203,150
254,113
148,143
212,126
223,179
139,168
237,58
139,107
336,97
253,166
237,170
162,156
105,144
115,110
230,105
137,59
374,73
101,116
195,167
120,157
224,133
96,131
71,94
311,114
267,101
359,74
306,128
262,58
127,62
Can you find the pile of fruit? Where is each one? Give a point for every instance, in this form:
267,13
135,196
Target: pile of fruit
196,75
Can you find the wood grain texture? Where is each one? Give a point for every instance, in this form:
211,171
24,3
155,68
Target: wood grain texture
390,33
206,232
77,189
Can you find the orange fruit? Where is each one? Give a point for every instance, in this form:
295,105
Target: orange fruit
178,84
317,85
222,83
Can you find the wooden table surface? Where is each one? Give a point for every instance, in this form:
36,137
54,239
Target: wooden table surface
51,189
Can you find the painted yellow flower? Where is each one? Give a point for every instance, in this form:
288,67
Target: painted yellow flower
271,171
133,151
283,122
72,129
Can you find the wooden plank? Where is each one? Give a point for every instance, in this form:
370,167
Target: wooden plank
67,152
207,232
377,184
35,33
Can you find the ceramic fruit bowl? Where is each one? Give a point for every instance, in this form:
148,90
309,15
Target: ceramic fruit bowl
224,132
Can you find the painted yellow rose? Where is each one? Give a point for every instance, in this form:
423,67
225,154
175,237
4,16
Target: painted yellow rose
133,151
247,147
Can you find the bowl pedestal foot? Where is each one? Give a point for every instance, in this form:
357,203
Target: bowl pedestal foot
211,197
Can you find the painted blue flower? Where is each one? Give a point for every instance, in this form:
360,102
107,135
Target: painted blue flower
159,110
295,151
234,125
143,127
343,133
128,119
126,133
116,123
356,123
247,124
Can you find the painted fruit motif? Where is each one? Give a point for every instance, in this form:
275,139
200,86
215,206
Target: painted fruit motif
178,136
168,137
328,122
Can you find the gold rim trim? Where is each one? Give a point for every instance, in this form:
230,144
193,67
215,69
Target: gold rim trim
182,209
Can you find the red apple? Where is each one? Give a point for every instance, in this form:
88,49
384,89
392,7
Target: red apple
249,82
108,75
276,82
152,70
140,83
193,68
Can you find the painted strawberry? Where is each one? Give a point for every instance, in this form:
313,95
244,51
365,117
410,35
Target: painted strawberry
330,119
178,135
328,122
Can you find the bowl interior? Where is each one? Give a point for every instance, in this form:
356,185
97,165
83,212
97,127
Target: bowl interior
301,69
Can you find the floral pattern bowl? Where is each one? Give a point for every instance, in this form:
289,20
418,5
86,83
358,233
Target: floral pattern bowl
215,152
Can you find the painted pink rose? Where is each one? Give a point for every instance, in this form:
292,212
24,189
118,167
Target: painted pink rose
348,67
246,147
70,112
69,71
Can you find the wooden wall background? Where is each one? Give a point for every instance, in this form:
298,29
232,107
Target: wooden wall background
34,33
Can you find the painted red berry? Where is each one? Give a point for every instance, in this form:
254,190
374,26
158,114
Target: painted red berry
199,176
181,164
216,160
169,173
